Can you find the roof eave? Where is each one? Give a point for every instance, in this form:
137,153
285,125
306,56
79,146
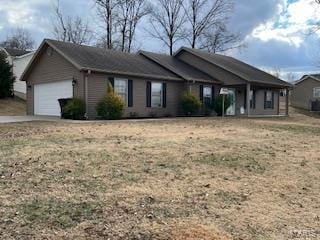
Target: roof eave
36,54
25,55
85,69
243,78
305,78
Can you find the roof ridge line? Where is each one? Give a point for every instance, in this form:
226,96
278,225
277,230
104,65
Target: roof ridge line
170,68
246,78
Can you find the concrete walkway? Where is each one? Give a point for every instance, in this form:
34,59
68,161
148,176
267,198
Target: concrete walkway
16,119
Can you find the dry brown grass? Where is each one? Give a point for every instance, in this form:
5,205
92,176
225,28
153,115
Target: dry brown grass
12,107
175,179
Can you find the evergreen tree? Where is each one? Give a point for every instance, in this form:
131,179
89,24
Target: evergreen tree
6,77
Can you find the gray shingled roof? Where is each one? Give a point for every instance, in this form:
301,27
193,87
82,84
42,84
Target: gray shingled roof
305,77
239,68
315,75
180,68
110,61
16,52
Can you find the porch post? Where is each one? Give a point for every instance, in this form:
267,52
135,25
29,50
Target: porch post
287,101
248,98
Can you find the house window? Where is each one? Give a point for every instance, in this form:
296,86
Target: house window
269,100
207,95
121,88
156,94
316,92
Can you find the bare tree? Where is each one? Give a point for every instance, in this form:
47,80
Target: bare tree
291,77
167,20
220,40
130,14
276,71
107,10
203,15
19,39
207,25
71,29
314,27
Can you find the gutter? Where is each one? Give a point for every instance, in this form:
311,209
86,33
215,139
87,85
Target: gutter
85,69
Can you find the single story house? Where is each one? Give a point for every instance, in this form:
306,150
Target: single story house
19,60
306,92
151,84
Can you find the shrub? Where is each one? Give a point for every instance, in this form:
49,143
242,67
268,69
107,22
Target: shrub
217,104
74,109
111,106
190,104
6,77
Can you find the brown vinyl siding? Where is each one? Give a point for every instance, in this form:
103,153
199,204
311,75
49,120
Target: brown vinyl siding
97,86
260,110
259,106
302,93
52,68
210,69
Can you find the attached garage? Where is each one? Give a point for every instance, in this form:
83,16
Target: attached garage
46,97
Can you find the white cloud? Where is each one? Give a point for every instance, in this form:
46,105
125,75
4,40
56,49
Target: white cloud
290,24
24,13
302,12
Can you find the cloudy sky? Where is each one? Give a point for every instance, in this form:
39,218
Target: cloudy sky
274,31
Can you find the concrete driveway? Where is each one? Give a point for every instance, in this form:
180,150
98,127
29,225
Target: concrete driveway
16,119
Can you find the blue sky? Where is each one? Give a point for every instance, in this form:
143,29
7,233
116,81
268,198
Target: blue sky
274,31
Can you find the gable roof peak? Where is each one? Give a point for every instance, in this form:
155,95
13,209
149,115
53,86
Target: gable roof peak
236,67
96,59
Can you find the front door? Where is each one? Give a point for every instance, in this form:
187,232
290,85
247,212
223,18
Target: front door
231,111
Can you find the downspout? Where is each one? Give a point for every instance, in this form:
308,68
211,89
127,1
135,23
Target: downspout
86,92
191,82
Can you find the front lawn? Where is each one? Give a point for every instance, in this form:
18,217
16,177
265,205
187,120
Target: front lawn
167,179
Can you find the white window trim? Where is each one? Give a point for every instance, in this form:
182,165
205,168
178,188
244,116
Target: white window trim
161,95
314,92
127,88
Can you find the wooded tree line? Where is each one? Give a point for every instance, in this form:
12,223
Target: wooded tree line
197,23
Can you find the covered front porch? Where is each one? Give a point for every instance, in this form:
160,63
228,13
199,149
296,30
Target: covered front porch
254,100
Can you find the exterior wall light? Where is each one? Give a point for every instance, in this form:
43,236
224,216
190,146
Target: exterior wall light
74,82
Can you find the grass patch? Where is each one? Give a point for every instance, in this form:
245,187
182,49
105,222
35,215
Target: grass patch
247,163
230,198
295,129
56,213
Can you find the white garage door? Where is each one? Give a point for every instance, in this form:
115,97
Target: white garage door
46,97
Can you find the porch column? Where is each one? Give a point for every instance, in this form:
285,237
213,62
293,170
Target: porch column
248,98
287,101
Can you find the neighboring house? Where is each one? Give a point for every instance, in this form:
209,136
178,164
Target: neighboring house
306,92
19,59
151,84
